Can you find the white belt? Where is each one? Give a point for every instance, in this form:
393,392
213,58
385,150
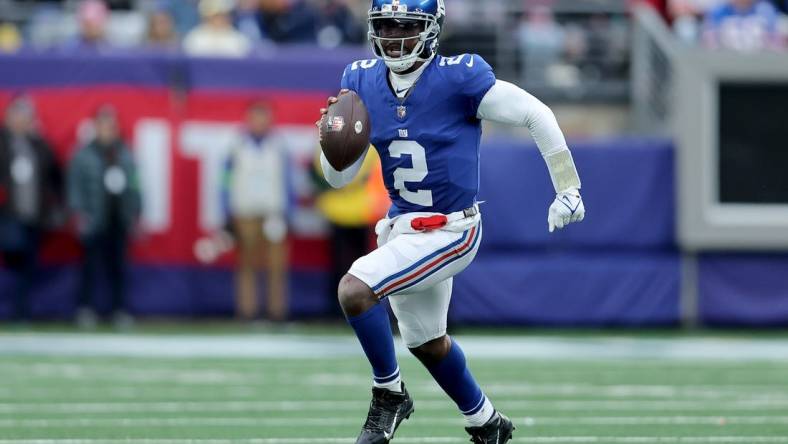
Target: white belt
457,221
462,214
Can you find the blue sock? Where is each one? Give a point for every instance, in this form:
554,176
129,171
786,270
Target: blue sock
374,333
455,379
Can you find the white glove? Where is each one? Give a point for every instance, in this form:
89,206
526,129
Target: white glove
565,209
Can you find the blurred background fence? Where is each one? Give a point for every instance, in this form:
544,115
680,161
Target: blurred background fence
640,100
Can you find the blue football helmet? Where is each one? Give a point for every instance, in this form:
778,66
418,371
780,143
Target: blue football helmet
429,14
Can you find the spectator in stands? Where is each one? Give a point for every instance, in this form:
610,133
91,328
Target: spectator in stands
743,25
215,36
30,192
161,30
103,195
92,17
247,19
10,38
289,21
185,14
337,25
686,15
255,197
541,44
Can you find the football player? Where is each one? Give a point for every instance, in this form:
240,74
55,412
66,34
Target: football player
426,112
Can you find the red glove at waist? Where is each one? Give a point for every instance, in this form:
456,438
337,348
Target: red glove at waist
429,223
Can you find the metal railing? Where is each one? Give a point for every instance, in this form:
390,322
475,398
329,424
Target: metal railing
571,52
652,81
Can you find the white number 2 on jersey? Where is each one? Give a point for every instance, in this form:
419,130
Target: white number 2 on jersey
415,174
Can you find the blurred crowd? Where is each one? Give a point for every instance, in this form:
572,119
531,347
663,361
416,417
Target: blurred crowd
741,25
548,28
563,48
566,50
198,27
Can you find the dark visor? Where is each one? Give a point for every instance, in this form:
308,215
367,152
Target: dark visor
390,22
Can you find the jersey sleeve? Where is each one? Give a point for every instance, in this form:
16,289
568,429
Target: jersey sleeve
475,78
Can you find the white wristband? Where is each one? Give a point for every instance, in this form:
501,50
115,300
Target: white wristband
562,169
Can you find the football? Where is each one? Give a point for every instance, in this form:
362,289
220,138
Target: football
344,131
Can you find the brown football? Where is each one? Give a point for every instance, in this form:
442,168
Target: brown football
344,131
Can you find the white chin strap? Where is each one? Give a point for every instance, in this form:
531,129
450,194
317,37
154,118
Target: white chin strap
400,65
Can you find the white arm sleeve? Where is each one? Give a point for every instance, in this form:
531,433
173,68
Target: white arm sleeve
339,179
509,104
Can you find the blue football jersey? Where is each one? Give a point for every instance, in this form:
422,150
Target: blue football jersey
428,142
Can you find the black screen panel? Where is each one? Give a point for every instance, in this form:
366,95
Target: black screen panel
753,143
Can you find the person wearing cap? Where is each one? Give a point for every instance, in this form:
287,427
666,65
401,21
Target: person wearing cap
216,36
30,184
104,198
92,16
161,33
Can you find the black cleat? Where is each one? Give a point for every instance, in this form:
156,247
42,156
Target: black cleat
386,411
498,430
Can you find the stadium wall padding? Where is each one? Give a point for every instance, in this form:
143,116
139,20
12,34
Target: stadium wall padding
627,189
170,291
743,289
618,267
568,288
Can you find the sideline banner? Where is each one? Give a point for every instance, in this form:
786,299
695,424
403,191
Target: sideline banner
179,115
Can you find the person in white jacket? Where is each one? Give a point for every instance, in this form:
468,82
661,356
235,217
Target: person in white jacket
216,36
255,196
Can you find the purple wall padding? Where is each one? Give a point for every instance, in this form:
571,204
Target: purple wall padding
533,288
569,288
165,291
743,289
294,69
627,190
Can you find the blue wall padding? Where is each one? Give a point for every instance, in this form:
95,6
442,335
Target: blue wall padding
569,288
743,289
627,189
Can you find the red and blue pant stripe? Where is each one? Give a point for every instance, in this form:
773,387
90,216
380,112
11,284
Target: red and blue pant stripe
430,264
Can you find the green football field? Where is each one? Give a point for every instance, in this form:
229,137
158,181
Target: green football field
314,388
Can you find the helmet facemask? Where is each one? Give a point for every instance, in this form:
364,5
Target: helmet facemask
427,37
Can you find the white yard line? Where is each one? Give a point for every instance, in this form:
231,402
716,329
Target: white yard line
80,408
499,392
631,390
258,422
654,420
303,346
426,440
654,439
429,391
144,374
435,440
133,393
